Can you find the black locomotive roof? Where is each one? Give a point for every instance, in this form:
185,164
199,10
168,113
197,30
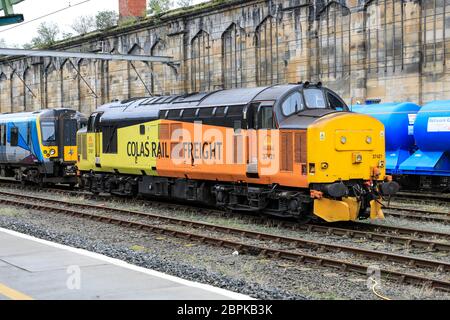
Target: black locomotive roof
149,108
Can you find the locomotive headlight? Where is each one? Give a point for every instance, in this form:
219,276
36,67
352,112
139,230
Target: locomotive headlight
381,164
52,152
357,157
343,140
368,140
324,165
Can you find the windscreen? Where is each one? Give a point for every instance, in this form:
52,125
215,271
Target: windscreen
48,132
315,99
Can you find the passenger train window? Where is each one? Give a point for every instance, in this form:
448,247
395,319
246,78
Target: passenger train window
2,135
29,134
335,102
48,131
314,99
14,137
292,104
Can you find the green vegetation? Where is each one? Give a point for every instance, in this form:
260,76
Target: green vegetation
47,34
106,19
108,24
158,6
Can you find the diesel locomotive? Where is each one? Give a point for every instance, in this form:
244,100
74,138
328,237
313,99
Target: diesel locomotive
287,150
40,147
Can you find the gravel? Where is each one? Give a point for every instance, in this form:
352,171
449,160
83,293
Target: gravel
256,276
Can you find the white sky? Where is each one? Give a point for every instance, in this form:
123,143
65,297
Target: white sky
31,9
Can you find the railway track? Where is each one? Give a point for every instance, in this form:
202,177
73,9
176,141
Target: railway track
360,230
418,211
394,211
65,207
409,195
418,214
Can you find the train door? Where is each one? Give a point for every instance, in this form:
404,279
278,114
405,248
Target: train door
252,140
261,121
70,127
94,138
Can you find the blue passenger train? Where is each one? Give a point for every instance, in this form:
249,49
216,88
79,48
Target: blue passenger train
40,147
417,142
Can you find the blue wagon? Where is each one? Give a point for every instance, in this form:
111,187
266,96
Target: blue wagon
431,161
417,142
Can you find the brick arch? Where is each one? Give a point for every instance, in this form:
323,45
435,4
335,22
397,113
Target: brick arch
136,48
30,89
384,33
200,62
17,92
233,47
267,53
334,42
161,74
69,88
139,78
87,101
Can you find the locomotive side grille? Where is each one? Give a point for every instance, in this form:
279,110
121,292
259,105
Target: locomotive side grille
164,133
235,149
300,147
176,141
84,146
238,149
173,128
286,151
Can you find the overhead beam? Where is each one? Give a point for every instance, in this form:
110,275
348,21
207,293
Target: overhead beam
82,55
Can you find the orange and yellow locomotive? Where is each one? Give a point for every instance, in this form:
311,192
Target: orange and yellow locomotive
286,150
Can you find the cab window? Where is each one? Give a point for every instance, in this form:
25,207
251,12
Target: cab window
315,99
93,122
335,102
48,132
266,118
292,104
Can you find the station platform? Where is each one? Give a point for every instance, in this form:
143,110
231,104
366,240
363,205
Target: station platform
35,269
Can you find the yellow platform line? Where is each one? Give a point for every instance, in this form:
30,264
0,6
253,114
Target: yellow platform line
13,294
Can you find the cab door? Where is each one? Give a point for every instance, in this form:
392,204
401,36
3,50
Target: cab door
252,140
69,140
94,139
264,155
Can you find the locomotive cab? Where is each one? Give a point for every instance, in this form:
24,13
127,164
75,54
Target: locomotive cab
57,130
341,154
